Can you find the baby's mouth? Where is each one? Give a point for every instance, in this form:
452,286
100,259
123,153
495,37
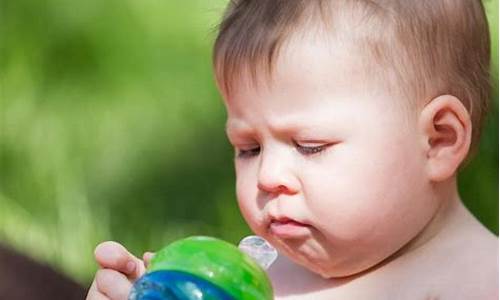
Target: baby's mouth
286,228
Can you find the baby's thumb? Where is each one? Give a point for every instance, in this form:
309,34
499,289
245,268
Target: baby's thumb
112,255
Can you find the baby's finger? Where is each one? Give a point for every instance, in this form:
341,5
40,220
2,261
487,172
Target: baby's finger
111,255
94,294
113,284
146,257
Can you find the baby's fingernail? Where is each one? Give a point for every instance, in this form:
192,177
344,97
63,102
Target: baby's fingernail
131,267
147,255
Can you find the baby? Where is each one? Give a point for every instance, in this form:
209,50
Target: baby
350,120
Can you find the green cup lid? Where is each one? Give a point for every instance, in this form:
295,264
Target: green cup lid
217,261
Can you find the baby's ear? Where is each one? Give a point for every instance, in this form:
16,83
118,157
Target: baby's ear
446,127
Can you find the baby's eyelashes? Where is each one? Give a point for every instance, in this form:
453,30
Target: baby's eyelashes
305,149
246,153
309,150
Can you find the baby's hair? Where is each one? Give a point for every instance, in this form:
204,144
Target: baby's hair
425,48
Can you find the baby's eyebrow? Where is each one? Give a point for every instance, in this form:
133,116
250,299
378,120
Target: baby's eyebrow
237,130
234,127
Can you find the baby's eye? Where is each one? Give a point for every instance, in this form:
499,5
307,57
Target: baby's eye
247,153
311,149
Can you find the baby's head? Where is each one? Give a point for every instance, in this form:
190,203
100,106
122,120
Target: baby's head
350,119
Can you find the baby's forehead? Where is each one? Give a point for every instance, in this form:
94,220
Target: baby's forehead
325,58
340,47
314,64
310,72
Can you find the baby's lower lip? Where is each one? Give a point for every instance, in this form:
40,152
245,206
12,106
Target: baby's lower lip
288,229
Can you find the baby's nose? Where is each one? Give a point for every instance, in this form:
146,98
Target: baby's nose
276,175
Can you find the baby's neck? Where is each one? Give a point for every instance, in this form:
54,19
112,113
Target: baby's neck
448,219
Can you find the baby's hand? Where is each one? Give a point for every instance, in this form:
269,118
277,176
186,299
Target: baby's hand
119,269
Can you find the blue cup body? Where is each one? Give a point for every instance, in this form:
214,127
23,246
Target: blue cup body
175,285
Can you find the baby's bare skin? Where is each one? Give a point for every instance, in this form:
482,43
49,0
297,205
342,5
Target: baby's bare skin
118,270
455,257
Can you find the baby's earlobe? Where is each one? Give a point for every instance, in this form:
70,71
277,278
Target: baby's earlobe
446,127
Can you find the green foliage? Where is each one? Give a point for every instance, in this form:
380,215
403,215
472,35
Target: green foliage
478,183
111,128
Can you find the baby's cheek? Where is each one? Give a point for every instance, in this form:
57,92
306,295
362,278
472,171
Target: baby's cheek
246,196
347,212
367,214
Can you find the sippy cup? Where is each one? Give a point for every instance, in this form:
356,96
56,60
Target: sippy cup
206,268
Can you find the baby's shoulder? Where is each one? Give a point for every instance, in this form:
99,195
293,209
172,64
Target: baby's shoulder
475,251
476,264
464,268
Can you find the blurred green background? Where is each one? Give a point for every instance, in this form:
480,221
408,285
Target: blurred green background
111,128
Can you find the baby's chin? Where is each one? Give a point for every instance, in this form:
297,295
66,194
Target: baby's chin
313,252
320,261
328,269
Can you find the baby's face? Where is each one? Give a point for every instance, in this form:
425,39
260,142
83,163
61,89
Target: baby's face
329,169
